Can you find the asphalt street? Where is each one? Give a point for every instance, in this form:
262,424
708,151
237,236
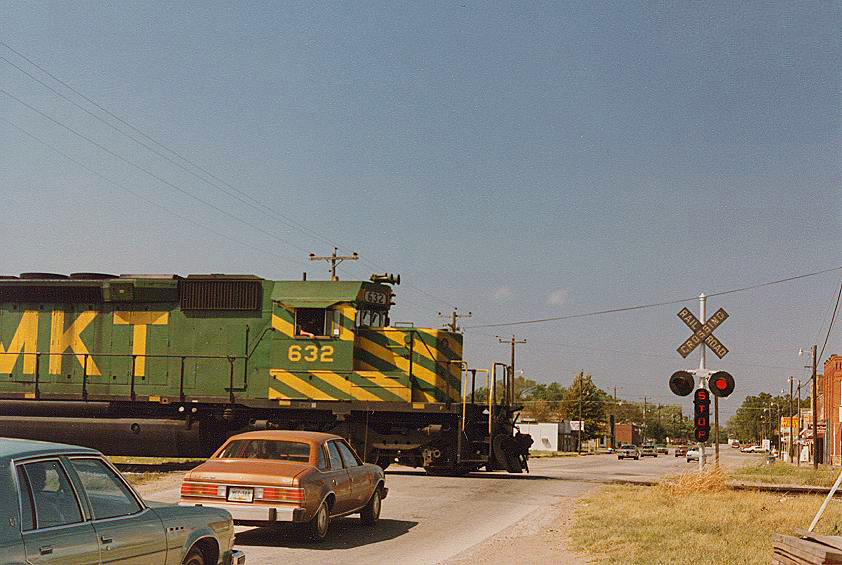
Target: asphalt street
454,520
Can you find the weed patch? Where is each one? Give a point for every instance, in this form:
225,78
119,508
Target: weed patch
693,519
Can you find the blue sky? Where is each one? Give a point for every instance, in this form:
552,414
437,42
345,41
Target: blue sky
518,162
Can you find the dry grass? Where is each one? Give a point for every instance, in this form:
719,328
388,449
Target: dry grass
693,519
133,460
786,473
137,479
711,479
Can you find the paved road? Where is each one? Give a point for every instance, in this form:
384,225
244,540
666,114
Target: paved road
454,520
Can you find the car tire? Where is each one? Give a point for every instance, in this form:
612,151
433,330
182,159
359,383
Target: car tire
636,458
371,512
194,557
316,528
619,458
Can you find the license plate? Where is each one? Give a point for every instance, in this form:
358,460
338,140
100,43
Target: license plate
239,494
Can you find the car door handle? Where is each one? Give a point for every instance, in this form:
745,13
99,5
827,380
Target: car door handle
106,540
46,549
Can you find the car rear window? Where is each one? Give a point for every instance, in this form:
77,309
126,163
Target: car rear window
276,450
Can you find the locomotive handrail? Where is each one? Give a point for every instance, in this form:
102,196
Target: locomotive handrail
134,356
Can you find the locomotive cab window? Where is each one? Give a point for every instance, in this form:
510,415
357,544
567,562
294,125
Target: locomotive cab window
312,322
372,319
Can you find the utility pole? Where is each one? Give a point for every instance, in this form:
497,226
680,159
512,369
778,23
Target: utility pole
798,454
790,419
453,325
815,412
515,342
334,260
580,419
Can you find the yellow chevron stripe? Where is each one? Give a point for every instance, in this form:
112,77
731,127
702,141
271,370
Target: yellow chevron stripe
371,369
380,380
282,325
275,395
350,313
341,383
299,384
402,364
429,352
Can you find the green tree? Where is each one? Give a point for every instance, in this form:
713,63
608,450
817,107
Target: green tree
759,416
585,401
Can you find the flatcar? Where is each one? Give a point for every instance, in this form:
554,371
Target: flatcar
170,366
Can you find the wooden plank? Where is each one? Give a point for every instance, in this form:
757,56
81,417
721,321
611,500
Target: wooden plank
789,559
808,551
813,547
830,541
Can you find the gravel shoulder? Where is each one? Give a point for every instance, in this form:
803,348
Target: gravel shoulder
538,539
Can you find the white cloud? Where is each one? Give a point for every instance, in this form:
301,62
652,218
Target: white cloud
502,293
558,297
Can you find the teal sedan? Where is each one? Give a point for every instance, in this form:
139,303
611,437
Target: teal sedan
69,505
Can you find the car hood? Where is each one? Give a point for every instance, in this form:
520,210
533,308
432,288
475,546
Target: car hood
238,471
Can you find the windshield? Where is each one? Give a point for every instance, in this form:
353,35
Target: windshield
274,450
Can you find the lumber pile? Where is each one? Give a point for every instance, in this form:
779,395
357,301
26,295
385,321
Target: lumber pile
806,549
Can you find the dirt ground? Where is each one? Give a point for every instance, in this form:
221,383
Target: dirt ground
537,540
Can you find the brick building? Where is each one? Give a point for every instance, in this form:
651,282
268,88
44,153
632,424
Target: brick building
831,409
627,433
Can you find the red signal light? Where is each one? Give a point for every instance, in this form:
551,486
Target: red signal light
721,384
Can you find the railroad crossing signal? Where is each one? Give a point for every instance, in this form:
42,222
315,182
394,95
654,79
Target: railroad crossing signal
701,403
721,384
682,383
702,333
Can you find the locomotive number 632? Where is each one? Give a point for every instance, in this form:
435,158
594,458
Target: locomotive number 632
310,353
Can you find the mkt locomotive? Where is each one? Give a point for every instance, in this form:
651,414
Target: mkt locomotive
170,365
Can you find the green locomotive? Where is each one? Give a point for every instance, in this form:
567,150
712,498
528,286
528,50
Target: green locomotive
169,365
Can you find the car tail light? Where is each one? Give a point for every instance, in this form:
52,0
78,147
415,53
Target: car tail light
202,489
280,494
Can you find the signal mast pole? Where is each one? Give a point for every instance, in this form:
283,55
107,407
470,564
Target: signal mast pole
703,381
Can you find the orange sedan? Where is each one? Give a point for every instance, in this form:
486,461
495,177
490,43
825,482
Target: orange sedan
266,477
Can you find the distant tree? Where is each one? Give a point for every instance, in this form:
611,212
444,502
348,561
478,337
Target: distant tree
585,401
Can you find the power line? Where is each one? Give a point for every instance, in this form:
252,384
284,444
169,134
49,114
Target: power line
147,171
137,195
832,320
654,304
254,203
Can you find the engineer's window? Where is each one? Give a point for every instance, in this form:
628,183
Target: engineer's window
311,322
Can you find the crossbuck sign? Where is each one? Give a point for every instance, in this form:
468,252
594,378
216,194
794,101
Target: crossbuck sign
702,333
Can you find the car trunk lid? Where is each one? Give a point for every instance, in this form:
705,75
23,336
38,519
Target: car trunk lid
247,472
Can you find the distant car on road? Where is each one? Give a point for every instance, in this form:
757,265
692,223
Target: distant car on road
680,450
661,448
693,454
67,504
628,451
753,449
266,477
648,450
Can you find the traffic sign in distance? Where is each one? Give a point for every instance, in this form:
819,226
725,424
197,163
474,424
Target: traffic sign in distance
721,384
702,333
682,383
701,405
